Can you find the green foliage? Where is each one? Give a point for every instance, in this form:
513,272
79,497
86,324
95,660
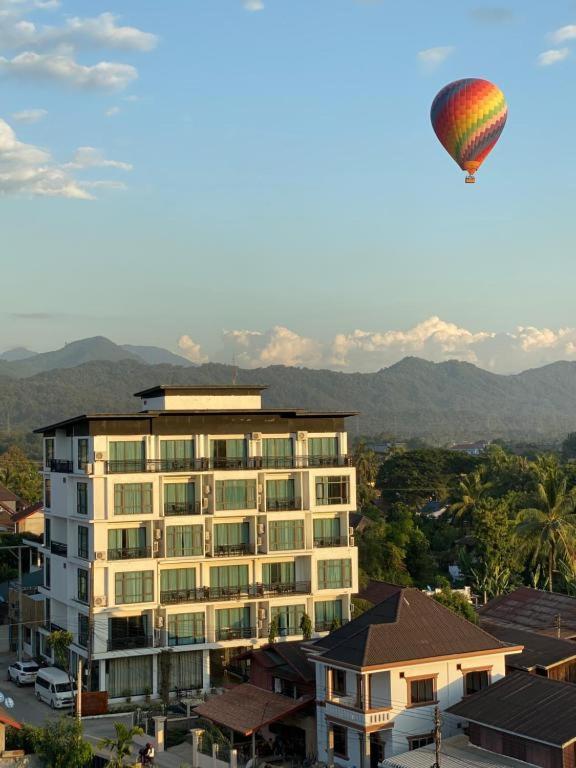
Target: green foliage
165,662
60,744
367,464
59,642
273,630
306,626
121,744
20,475
457,603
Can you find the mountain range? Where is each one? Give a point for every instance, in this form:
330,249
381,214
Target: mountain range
436,401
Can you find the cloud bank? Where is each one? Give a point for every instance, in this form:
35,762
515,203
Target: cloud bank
432,339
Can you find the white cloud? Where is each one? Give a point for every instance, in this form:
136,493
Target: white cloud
191,350
278,346
564,34
29,115
98,32
433,57
90,157
553,56
253,5
63,69
112,111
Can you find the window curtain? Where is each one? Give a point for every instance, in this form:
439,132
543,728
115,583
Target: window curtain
185,628
333,574
177,579
179,493
282,490
126,538
279,573
233,618
184,540
327,528
323,446
82,498
288,617
127,450
328,611
235,494
235,576
278,448
186,670
130,673
229,449
332,490
176,449
286,534
134,587
226,534
133,499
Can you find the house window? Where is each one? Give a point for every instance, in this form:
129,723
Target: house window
233,624
340,741
415,742
286,534
476,680
327,532
332,490
278,574
334,574
127,456
184,540
235,494
288,618
47,529
322,447
228,453
48,451
338,682
82,582
27,635
82,453
421,691
177,454
47,493
185,628
127,543
231,538
82,499
82,630
47,572
177,583
83,542
228,577
133,499
134,587
277,452
327,615
180,499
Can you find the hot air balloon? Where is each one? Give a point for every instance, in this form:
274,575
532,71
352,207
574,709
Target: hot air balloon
468,117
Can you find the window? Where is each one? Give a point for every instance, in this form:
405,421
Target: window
177,454
82,585
82,630
233,623
338,682
134,587
288,618
340,741
82,453
177,583
334,574
186,629
280,495
286,534
27,635
328,615
47,529
421,691
235,494
47,572
415,742
48,451
47,493
184,540
277,452
127,456
127,543
133,499
229,453
83,542
278,573
476,680
327,532
231,538
321,448
180,499
332,490
47,614
233,578
82,498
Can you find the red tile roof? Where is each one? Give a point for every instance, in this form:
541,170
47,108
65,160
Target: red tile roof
7,495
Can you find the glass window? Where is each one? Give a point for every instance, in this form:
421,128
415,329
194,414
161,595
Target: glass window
47,530
177,580
235,494
334,574
233,623
127,456
277,452
82,583
134,587
280,495
82,630
184,540
421,691
231,538
415,742
332,490
340,741
83,542
47,572
229,577
179,499
185,628
286,534
82,453
288,618
327,615
82,498
338,682
278,573
322,447
127,543
177,452
48,451
229,453
133,499
476,680
47,492
327,532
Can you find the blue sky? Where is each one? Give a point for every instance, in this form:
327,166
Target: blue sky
277,173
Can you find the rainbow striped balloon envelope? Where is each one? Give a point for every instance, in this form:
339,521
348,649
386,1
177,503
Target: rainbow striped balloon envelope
468,117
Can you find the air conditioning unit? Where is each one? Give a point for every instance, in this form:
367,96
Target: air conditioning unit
100,602
302,435
350,531
261,527
207,490
89,469
260,541
256,435
159,622
260,488
352,542
100,555
206,535
261,613
157,533
204,503
99,455
260,624
156,547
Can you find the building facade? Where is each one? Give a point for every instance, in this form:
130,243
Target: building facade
174,536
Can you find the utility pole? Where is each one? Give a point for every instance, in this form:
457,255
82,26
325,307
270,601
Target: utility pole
79,689
437,737
558,625
20,607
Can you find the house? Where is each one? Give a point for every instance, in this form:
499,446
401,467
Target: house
472,449
30,519
10,503
359,522
527,717
456,752
380,677
434,509
190,526
542,655
547,613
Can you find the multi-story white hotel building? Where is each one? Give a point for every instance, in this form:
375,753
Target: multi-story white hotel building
190,526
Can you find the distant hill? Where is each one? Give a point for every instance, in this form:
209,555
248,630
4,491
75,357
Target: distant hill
17,353
156,355
437,401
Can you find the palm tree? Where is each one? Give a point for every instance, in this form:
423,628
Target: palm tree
367,465
548,530
121,746
472,489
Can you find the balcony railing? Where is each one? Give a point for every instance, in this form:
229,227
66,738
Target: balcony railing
236,633
129,553
192,640
330,541
280,588
242,592
61,465
228,550
328,626
129,466
130,641
182,508
225,505
283,505
328,500
282,546
58,548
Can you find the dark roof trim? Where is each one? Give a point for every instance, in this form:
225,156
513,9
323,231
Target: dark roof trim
201,389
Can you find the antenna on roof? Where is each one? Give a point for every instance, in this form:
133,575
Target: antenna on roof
558,625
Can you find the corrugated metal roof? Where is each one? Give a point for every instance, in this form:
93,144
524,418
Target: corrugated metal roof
534,609
456,752
539,650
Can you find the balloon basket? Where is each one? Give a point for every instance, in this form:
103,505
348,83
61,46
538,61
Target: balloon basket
470,180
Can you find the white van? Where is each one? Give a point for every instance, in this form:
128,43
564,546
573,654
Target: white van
52,685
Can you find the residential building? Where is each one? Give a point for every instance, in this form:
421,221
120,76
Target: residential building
188,527
527,717
10,503
380,677
29,520
472,449
536,610
456,752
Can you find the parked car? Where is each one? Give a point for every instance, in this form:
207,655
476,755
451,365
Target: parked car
52,685
23,672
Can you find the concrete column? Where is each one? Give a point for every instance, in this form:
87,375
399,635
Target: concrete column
159,730
233,758
196,736
206,670
101,675
364,744
155,681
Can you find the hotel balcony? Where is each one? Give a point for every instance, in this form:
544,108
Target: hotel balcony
129,553
132,466
215,594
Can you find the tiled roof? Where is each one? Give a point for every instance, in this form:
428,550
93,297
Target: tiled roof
6,495
539,650
535,610
377,591
526,705
27,511
407,626
247,708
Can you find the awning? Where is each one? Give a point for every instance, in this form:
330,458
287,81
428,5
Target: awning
246,708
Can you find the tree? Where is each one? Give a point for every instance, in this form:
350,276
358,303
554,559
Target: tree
367,464
60,744
306,626
59,642
472,489
548,529
20,475
273,630
121,744
457,603
568,450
